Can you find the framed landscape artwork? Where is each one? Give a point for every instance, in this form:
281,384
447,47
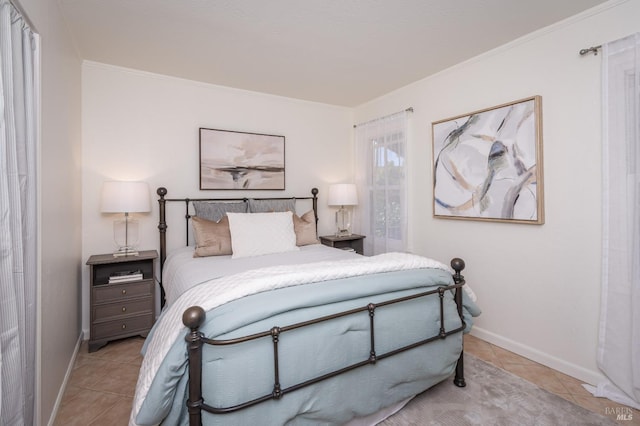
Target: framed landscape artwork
238,160
488,164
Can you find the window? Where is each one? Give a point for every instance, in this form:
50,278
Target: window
381,175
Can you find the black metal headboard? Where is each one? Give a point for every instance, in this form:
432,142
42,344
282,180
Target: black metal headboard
162,224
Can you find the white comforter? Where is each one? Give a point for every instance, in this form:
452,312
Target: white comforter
183,271
225,289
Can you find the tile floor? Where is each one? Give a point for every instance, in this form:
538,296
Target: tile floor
551,380
102,383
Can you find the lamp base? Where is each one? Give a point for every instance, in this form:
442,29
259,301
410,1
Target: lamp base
125,234
124,251
343,222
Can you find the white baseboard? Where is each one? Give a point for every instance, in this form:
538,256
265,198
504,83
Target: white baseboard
588,376
67,376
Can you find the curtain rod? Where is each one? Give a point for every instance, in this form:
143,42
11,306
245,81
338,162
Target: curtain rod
410,109
592,49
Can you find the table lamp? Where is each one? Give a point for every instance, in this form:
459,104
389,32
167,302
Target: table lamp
343,195
125,197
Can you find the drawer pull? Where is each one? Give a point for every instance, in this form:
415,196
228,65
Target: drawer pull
124,291
124,309
124,326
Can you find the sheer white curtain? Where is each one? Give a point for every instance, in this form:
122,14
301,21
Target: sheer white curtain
381,177
619,338
18,56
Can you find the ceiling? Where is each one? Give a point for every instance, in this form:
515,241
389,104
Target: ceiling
341,52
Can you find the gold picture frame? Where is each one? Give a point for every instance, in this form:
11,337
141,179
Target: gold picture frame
487,165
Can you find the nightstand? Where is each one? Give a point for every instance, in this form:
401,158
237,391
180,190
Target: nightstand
122,296
353,241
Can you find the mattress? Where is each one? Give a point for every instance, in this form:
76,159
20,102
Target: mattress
182,271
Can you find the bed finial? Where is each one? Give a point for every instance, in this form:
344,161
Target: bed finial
161,191
458,265
194,317
314,191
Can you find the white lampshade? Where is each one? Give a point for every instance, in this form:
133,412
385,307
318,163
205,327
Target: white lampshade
125,197
342,194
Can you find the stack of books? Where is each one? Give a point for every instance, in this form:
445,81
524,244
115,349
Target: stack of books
125,276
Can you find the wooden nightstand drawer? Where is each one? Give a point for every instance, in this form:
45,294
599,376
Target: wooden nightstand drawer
125,307
123,326
113,292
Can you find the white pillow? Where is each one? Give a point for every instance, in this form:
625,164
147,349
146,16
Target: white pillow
255,234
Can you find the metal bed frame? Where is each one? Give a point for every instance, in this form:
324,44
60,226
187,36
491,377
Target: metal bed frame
194,317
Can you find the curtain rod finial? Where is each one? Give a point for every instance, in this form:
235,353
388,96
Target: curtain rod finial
592,49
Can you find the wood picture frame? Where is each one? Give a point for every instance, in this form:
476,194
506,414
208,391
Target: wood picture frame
487,165
231,160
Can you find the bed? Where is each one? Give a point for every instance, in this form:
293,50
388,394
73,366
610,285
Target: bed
311,335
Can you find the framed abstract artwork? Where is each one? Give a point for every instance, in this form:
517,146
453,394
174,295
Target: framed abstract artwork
238,160
487,165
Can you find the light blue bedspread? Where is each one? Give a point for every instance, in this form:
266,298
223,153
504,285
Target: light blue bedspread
237,373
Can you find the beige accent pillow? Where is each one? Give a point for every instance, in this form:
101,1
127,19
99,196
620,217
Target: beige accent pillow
212,238
305,229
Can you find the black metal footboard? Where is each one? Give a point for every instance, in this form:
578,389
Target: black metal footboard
194,317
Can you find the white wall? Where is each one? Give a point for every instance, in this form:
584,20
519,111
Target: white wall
538,286
142,126
59,205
